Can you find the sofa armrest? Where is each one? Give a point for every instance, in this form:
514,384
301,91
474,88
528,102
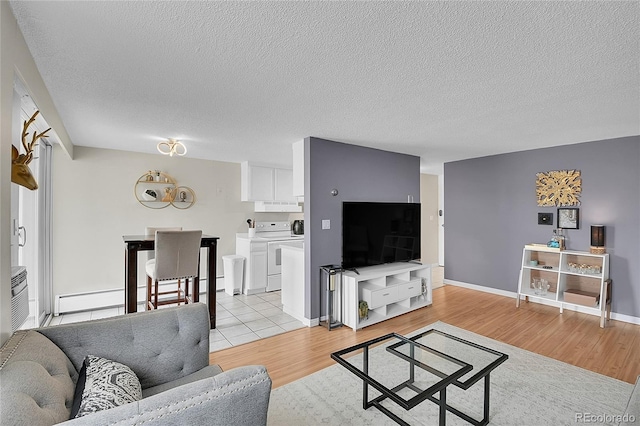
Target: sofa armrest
159,346
236,397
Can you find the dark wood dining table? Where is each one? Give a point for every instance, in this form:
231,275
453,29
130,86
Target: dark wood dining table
137,243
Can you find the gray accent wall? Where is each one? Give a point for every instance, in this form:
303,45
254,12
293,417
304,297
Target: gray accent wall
490,212
359,174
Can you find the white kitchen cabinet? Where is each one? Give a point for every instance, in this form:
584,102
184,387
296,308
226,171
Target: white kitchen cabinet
271,188
257,275
283,186
576,279
389,290
255,265
257,183
293,289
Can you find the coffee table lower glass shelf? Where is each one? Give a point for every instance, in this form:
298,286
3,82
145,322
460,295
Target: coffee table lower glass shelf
408,371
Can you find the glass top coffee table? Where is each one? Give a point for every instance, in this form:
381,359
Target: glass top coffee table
408,371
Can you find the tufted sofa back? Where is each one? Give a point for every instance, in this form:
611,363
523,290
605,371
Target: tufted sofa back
39,368
37,381
146,342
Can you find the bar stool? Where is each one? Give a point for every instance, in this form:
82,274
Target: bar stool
177,257
151,230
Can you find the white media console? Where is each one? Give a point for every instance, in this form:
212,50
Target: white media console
390,290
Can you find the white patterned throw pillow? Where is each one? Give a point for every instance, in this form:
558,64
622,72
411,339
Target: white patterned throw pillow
104,384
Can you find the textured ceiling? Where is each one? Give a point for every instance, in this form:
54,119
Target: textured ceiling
244,80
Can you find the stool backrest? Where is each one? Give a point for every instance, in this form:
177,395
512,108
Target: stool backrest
177,254
151,230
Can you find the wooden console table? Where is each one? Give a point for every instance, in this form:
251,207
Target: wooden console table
137,243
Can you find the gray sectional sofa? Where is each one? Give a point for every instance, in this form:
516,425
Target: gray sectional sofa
167,349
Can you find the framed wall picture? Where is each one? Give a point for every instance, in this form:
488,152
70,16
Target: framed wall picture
568,218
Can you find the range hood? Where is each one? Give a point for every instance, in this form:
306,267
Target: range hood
277,206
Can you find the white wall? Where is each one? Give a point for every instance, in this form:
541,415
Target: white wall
94,206
429,224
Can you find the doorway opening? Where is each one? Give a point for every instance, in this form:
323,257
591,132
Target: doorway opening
31,213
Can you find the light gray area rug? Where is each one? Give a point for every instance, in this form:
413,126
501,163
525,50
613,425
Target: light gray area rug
528,389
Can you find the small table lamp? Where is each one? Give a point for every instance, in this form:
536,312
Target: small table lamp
597,239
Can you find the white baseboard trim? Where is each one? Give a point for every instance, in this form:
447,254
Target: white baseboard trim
102,299
76,302
311,322
577,308
481,288
625,318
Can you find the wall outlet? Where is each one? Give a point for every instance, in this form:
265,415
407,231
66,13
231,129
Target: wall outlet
326,224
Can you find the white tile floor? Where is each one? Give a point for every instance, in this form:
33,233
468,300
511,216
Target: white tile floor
239,319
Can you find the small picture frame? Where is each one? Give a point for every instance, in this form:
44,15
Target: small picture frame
568,218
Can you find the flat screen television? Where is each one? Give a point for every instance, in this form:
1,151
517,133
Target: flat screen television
377,233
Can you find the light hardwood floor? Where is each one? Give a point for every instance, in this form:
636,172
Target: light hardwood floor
570,337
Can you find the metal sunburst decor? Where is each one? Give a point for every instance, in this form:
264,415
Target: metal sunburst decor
559,188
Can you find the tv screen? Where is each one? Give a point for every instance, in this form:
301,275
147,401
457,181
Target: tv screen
377,233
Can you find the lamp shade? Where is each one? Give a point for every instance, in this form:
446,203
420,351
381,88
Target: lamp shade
597,235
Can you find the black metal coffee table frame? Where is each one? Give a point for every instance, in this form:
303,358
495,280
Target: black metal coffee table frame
422,394
483,373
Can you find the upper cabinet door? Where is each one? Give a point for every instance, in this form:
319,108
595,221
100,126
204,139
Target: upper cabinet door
257,183
284,185
264,183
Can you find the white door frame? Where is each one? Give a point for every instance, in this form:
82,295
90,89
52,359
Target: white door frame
32,209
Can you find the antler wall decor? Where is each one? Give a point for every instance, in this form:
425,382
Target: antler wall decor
20,172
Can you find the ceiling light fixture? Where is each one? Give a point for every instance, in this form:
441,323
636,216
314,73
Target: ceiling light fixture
172,147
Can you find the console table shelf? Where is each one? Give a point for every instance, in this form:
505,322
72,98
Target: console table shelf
389,290
576,279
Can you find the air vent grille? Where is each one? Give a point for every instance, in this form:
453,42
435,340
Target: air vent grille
19,297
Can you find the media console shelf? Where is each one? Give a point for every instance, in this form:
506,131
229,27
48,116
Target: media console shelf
390,290
577,279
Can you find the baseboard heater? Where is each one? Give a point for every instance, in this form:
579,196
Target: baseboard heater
102,299
19,297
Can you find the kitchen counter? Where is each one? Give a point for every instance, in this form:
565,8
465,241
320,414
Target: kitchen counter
293,287
245,236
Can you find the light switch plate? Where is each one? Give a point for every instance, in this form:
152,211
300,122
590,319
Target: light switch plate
326,224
